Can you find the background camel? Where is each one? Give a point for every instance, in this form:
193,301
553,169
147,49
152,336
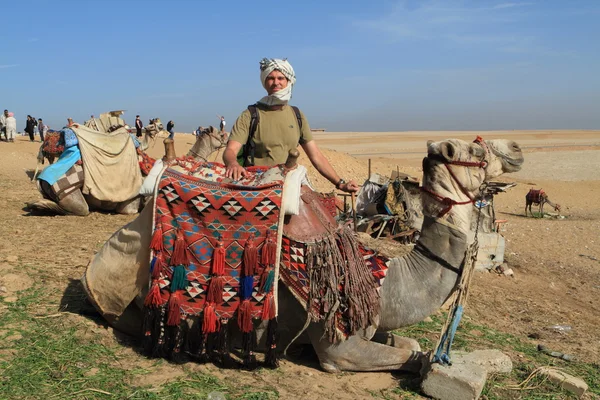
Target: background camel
416,285
208,142
76,203
538,197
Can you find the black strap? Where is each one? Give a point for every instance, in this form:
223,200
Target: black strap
249,147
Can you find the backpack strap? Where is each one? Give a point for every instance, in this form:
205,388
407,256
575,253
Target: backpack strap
298,117
248,151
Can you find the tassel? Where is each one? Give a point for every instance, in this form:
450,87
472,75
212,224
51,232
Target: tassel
218,259
268,311
224,358
153,298
271,360
247,286
249,359
178,279
269,250
215,290
174,309
245,317
250,257
267,281
179,255
156,243
149,329
209,323
157,266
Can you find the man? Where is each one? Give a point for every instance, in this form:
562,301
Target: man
222,125
138,126
278,130
170,126
42,128
3,124
29,128
11,127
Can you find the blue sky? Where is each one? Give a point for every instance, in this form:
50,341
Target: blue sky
361,65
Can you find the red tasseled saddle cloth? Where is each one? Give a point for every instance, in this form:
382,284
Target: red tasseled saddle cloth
535,195
214,251
52,143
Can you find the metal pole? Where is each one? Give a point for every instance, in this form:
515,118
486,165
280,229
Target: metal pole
353,211
369,177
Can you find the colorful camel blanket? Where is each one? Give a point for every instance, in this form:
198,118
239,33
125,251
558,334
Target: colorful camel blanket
215,247
53,143
214,251
52,173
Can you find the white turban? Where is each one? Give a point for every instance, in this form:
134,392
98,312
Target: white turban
268,65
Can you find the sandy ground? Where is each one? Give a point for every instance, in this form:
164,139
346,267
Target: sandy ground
556,261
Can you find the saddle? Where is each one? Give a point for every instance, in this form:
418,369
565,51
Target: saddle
535,195
315,219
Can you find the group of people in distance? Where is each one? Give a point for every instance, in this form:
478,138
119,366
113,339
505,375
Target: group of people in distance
8,127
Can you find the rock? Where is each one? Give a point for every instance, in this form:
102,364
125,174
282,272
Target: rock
568,382
455,382
3,289
12,258
428,319
493,361
11,299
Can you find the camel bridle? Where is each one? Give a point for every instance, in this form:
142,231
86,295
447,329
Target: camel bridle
446,201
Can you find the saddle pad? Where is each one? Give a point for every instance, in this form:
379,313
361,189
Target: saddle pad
72,180
52,143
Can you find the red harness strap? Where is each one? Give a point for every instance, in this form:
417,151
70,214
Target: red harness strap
448,202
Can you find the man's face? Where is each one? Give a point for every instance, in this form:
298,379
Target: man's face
275,81
6,113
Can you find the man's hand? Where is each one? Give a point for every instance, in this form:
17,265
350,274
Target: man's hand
349,187
235,171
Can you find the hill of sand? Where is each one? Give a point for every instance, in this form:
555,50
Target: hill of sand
556,261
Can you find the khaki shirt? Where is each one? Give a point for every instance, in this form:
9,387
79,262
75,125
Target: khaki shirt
276,134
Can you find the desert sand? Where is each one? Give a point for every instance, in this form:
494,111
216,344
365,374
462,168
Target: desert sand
556,261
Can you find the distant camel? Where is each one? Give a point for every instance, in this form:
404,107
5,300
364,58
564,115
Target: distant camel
540,198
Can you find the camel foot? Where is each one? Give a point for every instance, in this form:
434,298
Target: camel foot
358,354
46,205
397,341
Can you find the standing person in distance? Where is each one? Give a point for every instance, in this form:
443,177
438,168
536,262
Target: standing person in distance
138,126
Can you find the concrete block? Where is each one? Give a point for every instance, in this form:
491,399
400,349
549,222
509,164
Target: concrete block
568,382
455,382
493,361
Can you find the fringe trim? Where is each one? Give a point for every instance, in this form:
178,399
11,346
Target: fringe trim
271,357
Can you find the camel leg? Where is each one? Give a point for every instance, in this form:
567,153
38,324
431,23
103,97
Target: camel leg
74,203
359,354
129,207
397,341
37,169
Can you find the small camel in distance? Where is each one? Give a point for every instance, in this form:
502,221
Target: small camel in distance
538,197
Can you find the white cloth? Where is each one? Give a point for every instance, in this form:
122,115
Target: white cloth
291,190
150,181
11,128
268,65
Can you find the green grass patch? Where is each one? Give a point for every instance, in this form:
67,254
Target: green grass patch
56,359
526,358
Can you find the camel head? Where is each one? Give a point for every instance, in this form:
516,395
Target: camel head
154,128
207,142
454,170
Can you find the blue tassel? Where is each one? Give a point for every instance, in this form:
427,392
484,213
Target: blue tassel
247,286
152,264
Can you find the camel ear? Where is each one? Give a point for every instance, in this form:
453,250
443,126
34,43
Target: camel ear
476,150
448,151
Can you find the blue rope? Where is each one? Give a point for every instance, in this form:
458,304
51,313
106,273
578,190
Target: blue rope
442,356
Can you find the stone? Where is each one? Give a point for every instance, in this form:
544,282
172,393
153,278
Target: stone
493,361
11,299
12,258
568,382
455,382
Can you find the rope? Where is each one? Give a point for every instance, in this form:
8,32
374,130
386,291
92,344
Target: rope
444,345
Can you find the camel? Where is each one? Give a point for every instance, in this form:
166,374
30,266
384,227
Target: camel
208,142
540,198
76,203
416,285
